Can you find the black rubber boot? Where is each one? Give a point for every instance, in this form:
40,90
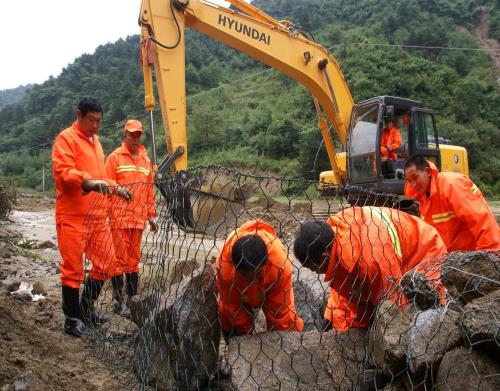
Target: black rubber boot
119,306
73,324
132,283
90,293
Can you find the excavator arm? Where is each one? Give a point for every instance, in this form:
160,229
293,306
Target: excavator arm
249,30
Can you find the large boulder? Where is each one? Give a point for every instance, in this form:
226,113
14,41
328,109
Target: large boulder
177,346
481,322
470,275
419,291
388,337
432,333
304,361
463,369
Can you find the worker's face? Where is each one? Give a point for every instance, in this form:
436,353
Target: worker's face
133,141
389,124
252,274
419,180
322,267
90,123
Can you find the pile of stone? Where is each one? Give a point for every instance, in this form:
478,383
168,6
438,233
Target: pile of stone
450,347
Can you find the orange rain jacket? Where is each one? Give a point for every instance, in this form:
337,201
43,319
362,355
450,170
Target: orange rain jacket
373,248
81,218
135,174
391,138
457,209
272,291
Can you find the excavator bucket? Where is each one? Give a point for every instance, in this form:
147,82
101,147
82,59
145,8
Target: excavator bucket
210,209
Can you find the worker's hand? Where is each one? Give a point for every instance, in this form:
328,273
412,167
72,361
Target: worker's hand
153,225
96,185
122,192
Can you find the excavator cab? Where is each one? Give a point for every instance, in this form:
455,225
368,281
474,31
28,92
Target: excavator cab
366,165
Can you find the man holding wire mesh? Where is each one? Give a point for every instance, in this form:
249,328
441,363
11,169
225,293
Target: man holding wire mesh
253,272
364,252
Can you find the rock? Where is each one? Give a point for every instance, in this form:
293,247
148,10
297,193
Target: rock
142,305
472,274
481,322
419,290
46,244
310,306
183,269
388,337
464,369
39,289
13,286
22,382
289,360
178,345
432,333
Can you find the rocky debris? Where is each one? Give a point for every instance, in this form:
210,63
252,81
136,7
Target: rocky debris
177,346
45,245
431,334
480,322
291,360
473,274
419,290
39,289
468,369
13,286
183,269
310,306
388,337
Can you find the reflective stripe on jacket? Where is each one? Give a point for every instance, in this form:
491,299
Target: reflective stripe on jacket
272,291
75,158
373,248
457,209
136,174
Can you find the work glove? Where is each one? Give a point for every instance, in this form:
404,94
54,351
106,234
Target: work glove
96,185
153,225
122,192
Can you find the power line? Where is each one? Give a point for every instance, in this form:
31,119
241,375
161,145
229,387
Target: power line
416,46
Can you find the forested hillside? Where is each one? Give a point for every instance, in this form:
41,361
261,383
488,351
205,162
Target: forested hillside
241,113
12,94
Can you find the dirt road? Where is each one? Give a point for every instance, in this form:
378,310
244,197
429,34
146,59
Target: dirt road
35,354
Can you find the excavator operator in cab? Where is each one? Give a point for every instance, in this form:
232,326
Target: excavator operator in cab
389,145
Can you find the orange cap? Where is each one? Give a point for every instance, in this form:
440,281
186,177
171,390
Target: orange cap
133,125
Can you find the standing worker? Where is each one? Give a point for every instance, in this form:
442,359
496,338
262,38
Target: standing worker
254,271
364,252
453,204
81,211
130,167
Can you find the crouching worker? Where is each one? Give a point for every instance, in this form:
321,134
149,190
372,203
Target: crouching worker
130,167
82,190
363,253
254,271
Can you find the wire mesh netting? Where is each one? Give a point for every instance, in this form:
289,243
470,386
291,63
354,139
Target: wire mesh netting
254,282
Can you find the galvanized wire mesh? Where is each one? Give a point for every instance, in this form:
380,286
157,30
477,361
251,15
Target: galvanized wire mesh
403,318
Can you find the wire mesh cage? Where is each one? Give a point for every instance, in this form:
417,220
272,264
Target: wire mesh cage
254,282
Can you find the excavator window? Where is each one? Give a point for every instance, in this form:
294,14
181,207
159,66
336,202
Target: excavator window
425,132
363,143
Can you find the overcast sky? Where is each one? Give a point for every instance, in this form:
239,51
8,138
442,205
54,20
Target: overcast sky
40,37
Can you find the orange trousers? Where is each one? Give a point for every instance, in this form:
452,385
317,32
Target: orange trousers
127,242
76,238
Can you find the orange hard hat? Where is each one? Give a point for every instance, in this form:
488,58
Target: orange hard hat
133,125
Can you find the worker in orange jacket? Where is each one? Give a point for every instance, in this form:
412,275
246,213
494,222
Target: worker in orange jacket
81,211
389,143
254,271
131,168
453,204
364,252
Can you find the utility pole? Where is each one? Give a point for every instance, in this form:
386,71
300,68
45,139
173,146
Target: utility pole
43,171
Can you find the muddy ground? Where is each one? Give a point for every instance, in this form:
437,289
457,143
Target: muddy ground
35,354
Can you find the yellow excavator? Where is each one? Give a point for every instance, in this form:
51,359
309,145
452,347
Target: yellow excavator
282,46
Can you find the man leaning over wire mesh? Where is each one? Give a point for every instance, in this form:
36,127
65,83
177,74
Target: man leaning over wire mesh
254,271
130,167
364,252
81,212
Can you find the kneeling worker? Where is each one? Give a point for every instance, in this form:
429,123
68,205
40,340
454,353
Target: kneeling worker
364,252
254,271
453,204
